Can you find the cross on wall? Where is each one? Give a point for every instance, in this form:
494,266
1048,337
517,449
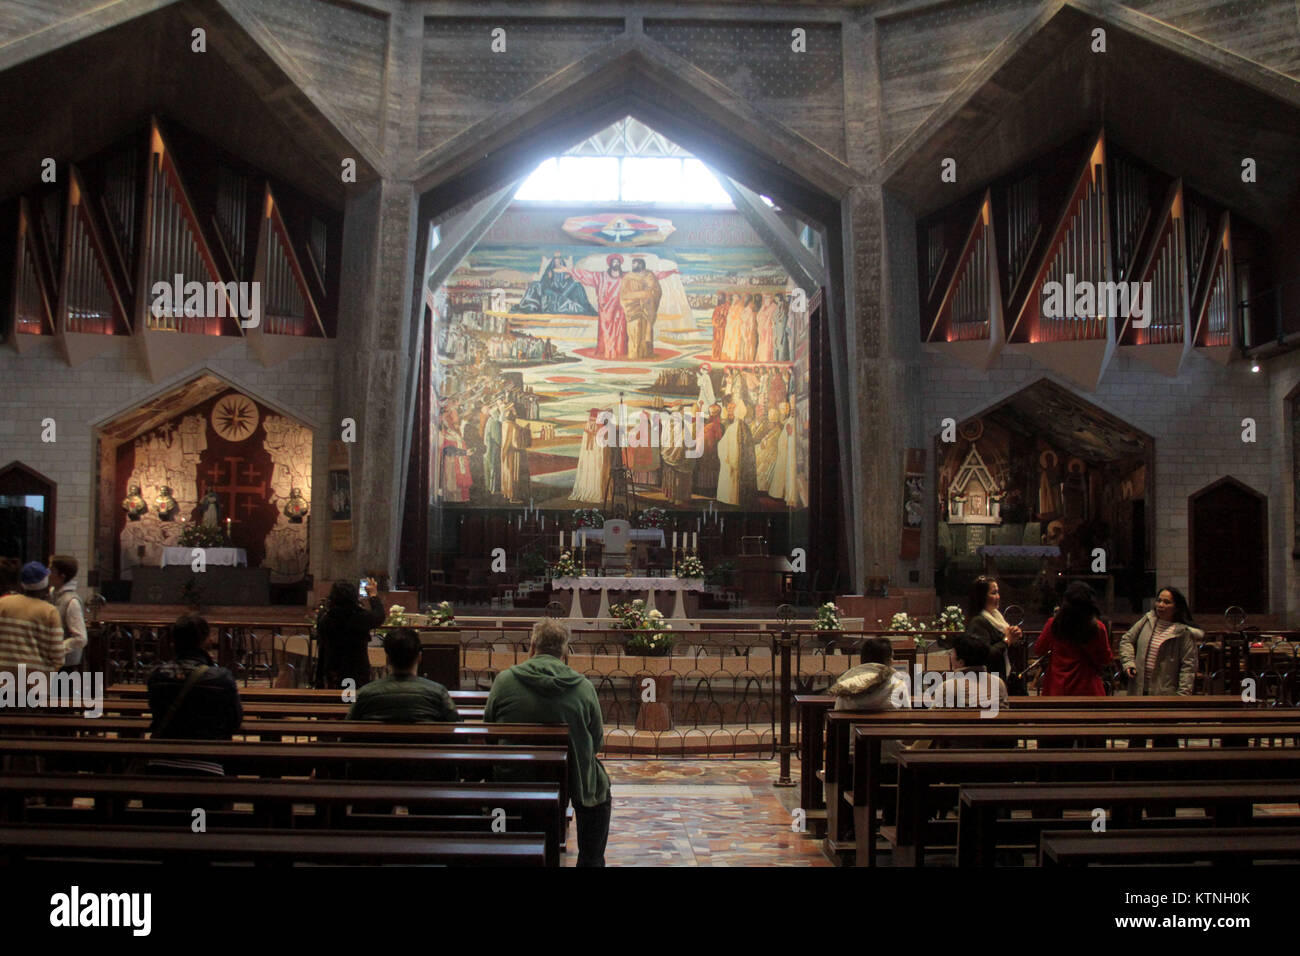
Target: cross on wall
234,490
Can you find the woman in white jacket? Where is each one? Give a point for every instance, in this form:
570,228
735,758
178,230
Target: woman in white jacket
1159,653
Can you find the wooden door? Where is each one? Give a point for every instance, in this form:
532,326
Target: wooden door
1229,548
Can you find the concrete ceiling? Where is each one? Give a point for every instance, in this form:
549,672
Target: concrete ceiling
1190,112
81,98
1078,428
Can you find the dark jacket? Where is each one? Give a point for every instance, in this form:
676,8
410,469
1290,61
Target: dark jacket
344,634
997,644
210,710
545,690
404,699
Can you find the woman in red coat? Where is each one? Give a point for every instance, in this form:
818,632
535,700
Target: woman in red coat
1079,644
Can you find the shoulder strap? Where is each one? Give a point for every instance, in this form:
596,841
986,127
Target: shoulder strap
176,704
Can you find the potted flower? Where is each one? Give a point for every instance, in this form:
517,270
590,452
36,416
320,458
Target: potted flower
950,619
689,567
442,615
396,617
995,504
201,536
958,504
629,616
565,567
902,623
828,617
588,518
652,518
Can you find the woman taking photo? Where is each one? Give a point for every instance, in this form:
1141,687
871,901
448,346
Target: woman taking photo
1079,645
1159,652
985,621
344,632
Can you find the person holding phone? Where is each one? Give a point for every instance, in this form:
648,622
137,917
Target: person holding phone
344,632
985,621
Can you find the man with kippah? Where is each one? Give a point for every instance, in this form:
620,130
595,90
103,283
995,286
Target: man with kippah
31,631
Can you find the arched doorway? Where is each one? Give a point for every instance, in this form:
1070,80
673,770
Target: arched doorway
1228,534
27,501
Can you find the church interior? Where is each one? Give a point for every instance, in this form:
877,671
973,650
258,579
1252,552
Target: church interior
751,364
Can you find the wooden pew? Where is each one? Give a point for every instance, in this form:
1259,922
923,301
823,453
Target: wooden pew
269,847
869,737
476,734
920,772
1232,846
840,725
1226,804
257,710
274,801
332,760
286,695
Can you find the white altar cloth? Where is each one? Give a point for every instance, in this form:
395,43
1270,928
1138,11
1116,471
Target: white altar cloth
609,583
211,556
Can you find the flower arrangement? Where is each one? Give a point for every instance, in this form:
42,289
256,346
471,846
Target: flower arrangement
588,518
566,567
997,496
650,639
950,619
396,617
201,536
652,518
442,615
629,616
689,567
651,643
901,622
828,617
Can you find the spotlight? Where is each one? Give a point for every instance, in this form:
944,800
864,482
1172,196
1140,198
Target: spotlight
1254,367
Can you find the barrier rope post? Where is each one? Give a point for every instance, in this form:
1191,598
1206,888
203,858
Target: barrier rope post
785,746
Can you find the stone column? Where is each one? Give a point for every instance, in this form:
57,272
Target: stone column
372,367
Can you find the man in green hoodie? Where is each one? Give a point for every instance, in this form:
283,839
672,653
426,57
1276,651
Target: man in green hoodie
545,690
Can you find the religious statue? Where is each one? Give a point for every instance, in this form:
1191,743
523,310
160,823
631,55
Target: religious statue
164,505
210,505
295,509
134,504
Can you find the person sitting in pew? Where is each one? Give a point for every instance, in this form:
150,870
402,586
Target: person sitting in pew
874,685
403,697
191,698
545,690
1079,645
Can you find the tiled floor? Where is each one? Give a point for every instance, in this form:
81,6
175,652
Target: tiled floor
702,813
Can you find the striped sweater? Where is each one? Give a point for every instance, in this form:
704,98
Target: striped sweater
31,633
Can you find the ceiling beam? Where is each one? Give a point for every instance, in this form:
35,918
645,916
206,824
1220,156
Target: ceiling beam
804,267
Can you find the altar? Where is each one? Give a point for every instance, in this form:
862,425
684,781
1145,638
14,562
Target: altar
677,586
654,536
212,557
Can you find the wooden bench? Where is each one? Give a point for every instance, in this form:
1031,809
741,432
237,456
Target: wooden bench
1232,846
813,709
257,710
274,802
1226,804
921,772
268,847
325,760
841,724
286,695
556,735
869,738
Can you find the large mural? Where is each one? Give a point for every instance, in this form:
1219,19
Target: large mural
557,364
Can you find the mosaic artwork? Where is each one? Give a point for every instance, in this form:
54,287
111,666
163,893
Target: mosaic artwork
686,366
